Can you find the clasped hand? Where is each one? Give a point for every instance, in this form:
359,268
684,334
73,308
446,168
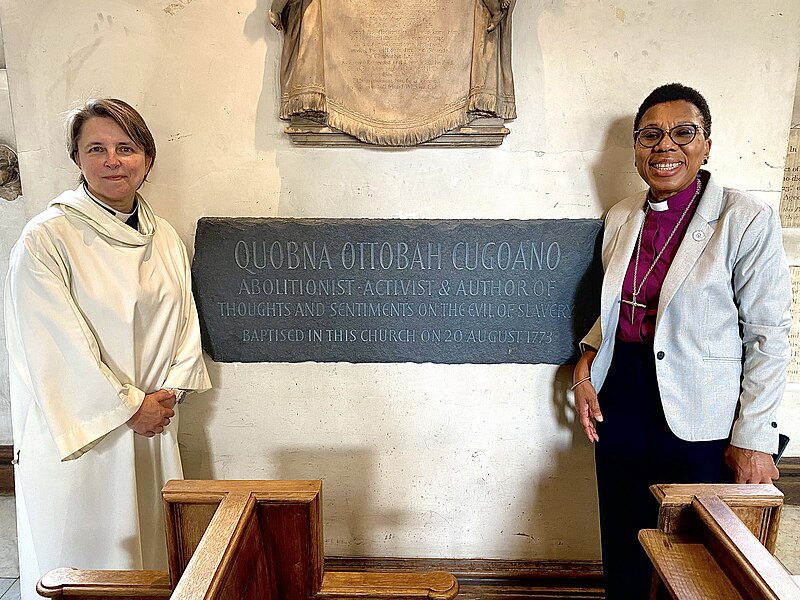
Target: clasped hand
154,413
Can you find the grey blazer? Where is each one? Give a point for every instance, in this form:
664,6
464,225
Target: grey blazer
722,330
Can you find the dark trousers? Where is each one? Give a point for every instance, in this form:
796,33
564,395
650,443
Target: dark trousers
636,450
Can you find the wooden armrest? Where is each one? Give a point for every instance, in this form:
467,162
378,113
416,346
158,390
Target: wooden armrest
65,583
764,493
396,586
679,561
743,549
758,506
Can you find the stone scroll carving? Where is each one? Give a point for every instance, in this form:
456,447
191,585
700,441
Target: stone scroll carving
395,73
10,184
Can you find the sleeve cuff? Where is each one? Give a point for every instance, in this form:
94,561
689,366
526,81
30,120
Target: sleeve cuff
82,438
762,437
593,339
189,382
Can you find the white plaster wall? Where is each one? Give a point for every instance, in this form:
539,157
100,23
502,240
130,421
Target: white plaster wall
10,226
418,460
11,222
2,52
12,219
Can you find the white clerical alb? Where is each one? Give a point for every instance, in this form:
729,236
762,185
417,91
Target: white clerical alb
97,315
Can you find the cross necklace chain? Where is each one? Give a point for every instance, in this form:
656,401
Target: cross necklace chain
636,291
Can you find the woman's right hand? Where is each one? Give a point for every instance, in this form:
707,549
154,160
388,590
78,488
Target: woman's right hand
154,413
586,403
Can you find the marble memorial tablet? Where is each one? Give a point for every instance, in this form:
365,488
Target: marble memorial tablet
790,192
456,291
392,73
794,332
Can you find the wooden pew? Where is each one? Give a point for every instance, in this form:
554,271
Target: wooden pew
245,540
716,542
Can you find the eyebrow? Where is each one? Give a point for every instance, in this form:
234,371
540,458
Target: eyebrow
99,143
676,125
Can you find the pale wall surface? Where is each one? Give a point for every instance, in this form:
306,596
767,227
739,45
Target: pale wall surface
12,219
418,460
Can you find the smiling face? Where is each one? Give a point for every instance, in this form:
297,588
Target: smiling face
113,165
668,168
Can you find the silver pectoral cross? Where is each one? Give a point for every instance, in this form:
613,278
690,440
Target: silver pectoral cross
633,304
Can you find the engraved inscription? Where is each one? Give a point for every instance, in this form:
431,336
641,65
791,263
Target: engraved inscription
794,333
398,38
790,192
395,291
398,72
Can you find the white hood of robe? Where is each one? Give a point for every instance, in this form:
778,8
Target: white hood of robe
77,204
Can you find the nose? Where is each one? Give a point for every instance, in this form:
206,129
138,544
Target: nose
665,144
112,160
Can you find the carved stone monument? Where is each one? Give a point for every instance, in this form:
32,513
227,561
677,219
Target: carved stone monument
394,73
10,184
393,290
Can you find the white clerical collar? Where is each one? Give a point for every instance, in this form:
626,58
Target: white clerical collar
660,206
119,215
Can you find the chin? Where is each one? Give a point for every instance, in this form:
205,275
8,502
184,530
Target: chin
668,188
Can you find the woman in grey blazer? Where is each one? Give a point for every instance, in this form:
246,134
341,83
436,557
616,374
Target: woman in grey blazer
681,375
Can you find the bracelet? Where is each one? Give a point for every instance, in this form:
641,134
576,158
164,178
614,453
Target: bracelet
580,381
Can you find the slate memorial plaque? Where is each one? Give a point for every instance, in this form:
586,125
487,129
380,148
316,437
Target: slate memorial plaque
364,290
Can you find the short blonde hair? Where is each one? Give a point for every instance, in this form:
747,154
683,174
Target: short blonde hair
122,113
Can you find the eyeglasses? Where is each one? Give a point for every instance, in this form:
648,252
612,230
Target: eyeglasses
650,137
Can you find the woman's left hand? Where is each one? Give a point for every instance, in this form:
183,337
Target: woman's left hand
586,403
751,466
153,414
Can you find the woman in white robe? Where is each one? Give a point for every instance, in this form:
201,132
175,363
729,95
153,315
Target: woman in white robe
103,339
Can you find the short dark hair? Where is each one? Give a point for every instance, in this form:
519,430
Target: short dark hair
122,113
671,92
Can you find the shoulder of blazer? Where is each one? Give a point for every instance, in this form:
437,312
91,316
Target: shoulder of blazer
742,202
713,200
624,210
732,209
718,201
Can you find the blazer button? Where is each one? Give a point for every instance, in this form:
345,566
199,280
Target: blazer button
774,425
660,355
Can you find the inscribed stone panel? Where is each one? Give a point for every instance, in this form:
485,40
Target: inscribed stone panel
293,290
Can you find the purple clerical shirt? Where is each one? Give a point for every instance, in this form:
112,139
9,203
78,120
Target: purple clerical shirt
658,224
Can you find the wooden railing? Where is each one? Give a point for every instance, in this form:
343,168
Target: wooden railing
716,542
6,470
245,540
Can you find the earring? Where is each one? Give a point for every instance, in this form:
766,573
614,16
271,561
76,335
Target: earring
705,160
